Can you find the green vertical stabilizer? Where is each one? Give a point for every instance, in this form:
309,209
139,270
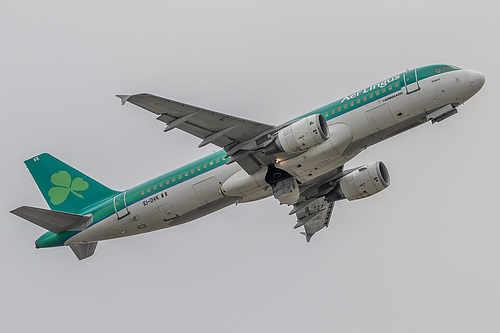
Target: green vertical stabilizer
64,188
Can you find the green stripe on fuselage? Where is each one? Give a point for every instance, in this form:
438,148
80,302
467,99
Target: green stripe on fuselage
103,210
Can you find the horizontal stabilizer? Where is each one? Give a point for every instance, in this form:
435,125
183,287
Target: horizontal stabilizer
84,250
51,220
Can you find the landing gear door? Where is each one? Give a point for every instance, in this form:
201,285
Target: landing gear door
120,204
411,81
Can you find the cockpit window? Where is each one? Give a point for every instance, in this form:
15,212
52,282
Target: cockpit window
446,68
438,70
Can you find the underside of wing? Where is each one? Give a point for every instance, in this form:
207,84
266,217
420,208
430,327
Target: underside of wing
315,205
212,127
239,137
314,216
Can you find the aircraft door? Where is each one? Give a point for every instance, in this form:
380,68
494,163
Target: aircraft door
411,81
120,204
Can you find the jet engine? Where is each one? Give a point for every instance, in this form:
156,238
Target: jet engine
301,135
361,183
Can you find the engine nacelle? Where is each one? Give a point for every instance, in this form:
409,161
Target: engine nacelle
365,181
303,134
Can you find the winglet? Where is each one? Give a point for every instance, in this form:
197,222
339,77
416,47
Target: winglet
124,98
308,236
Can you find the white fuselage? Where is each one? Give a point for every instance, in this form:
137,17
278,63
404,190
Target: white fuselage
351,132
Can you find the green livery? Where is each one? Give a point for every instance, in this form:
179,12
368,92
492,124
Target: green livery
64,188
84,211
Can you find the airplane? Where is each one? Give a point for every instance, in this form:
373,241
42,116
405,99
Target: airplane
300,162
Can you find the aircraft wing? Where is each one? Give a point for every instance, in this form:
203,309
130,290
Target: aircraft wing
314,216
239,137
315,205
212,127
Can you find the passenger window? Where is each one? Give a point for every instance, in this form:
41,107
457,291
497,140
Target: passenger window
339,109
166,182
154,187
390,87
358,101
173,179
199,168
345,106
352,103
179,176
383,90
204,166
161,184
211,163
371,95
396,85
186,174
326,114
192,171
217,161
149,190
364,98
142,192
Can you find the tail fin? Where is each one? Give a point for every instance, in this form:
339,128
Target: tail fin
64,188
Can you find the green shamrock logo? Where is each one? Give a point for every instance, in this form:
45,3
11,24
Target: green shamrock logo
64,186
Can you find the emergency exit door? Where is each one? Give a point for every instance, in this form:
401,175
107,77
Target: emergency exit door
120,203
411,81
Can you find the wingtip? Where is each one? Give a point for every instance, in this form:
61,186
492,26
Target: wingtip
308,236
124,98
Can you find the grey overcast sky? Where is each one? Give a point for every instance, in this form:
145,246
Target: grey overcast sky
421,256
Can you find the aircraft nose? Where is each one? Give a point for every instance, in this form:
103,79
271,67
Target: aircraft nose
476,79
